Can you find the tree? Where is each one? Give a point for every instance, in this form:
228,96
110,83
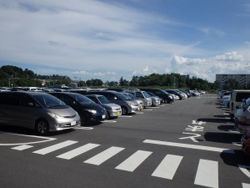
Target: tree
81,83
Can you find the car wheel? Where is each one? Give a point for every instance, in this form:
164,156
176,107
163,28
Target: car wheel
83,121
124,111
42,127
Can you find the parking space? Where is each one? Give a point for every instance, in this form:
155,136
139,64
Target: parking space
190,142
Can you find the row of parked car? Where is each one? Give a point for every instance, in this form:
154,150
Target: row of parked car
46,109
238,102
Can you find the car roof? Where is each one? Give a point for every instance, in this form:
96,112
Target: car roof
32,93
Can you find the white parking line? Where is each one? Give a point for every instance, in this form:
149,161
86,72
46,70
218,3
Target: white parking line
245,185
139,112
109,121
125,116
131,163
22,147
55,147
189,146
168,167
104,156
84,128
244,170
45,139
148,110
207,174
154,107
78,151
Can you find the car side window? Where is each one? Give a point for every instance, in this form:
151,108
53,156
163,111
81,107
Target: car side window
94,99
27,101
138,94
9,99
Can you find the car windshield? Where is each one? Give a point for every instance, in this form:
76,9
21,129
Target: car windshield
49,101
123,97
241,96
103,100
151,94
146,94
82,99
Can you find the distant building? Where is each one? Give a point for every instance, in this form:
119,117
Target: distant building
242,79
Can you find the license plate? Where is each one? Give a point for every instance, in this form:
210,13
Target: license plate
103,116
118,113
73,123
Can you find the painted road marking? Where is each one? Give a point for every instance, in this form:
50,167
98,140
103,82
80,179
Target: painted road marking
22,147
131,163
245,185
140,113
45,139
207,174
126,116
153,107
84,128
168,167
189,146
149,110
244,170
109,121
104,156
78,151
55,147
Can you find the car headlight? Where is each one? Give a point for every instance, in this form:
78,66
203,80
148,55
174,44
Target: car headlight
53,115
92,111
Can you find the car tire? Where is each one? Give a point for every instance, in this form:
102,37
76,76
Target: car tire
124,110
42,127
83,121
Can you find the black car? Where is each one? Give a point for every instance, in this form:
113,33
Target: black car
160,93
86,108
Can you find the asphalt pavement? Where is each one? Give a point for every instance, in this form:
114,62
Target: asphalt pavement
191,143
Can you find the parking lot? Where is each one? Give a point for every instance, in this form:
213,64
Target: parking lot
190,143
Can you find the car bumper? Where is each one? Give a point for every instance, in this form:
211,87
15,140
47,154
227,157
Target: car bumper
113,113
63,124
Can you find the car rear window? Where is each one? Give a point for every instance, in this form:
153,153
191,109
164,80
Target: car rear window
242,95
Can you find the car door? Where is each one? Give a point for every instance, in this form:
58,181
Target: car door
8,112
29,111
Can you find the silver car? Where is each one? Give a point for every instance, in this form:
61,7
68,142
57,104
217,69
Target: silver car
242,117
34,110
113,110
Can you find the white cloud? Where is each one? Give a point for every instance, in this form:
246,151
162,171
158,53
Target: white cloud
85,34
92,74
212,31
230,56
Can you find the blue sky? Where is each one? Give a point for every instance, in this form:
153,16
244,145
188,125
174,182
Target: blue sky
112,38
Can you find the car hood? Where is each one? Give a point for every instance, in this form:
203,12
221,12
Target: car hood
112,105
67,111
93,106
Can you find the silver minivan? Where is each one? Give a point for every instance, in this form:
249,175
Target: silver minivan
35,110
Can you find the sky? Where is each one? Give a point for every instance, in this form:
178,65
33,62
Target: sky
107,39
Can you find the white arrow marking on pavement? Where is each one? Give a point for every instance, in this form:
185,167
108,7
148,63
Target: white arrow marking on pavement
193,137
194,122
